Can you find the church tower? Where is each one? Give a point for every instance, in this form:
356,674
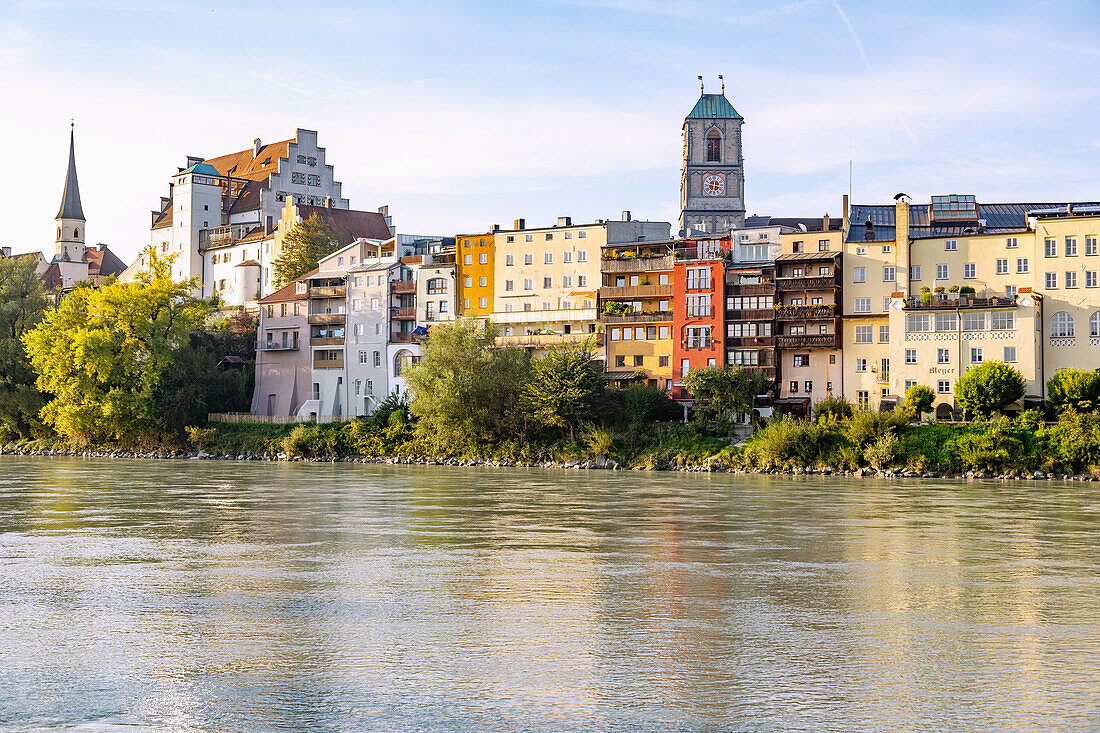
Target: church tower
712,181
69,247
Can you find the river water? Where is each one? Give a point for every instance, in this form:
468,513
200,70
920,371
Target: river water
209,595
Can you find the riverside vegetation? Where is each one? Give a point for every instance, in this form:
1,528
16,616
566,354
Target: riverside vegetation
134,368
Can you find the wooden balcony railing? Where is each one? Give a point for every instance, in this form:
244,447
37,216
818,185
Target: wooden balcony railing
403,314
329,291
636,292
407,337
326,319
751,314
326,341
805,312
640,264
635,317
402,286
812,341
750,341
785,284
328,363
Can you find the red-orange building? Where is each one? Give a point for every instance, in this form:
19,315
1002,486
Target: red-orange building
698,309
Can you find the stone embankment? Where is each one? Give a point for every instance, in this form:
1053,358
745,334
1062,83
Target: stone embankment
598,463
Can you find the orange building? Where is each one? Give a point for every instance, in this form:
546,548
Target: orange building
474,256
698,311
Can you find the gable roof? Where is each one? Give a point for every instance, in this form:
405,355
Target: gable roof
102,261
713,107
349,224
288,291
246,164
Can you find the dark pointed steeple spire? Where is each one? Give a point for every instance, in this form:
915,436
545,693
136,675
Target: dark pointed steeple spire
70,200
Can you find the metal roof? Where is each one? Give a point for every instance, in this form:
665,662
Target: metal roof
203,169
713,107
70,199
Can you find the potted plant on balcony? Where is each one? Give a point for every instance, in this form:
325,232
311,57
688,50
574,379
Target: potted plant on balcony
965,292
926,295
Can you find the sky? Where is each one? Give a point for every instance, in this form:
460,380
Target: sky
461,115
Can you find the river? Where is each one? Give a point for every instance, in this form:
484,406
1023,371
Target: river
211,595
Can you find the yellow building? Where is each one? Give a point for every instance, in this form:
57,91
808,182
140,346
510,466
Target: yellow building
475,265
546,279
636,312
957,283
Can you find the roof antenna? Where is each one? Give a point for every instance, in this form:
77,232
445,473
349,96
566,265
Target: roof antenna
723,80
700,83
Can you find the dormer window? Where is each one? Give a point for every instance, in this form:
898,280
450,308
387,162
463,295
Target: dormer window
714,147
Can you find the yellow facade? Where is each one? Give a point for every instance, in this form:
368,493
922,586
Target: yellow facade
475,264
636,311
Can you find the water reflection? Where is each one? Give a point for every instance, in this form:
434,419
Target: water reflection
211,595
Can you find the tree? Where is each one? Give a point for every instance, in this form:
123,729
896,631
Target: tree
465,390
567,388
104,354
918,400
23,304
832,408
988,387
306,243
1077,389
727,390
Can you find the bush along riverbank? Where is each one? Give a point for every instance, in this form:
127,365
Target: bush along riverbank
860,444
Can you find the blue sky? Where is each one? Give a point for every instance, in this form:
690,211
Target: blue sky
459,115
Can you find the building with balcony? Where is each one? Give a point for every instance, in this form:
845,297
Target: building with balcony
635,312
698,320
283,352
808,278
751,317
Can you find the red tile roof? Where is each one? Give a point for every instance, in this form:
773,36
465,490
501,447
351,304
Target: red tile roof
103,262
244,164
349,224
288,292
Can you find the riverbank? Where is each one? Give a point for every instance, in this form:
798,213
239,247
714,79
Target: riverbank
599,464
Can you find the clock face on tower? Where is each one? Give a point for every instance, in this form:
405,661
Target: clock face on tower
714,184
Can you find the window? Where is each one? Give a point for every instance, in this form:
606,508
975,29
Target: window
1061,325
914,272
864,334
793,387
859,275
976,355
299,178
863,399
1010,354
823,245
528,258
582,281
468,260
1094,324
1090,246
888,274
910,356
582,255
886,248
509,260
1090,279
1071,279
714,146
796,247
1021,264
638,361
1012,243
823,271
375,303
861,365
1002,266
528,237
362,357
863,305
509,286
947,322
861,250
886,303
969,270
528,283
909,384
547,258
468,282
973,321
483,281
1003,321
549,237
801,360
950,245
1052,280
620,360
918,322
567,281
943,356
482,302
943,386
1071,246
662,361
884,334
483,258
511,238
942,272
1051,246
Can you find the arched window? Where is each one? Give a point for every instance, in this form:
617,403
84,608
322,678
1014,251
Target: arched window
1061,325
59,232
401,360
714,146
1094,324
76,234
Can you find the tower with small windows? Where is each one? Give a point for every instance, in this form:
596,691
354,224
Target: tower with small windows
69,255
712,181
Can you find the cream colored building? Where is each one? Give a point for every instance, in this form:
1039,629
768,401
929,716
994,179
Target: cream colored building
546,279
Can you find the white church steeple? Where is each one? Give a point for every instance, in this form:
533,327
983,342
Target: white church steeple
69,245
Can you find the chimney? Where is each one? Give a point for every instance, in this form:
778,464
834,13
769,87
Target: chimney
269,226
494,228
845,206
193,160
825,222
520,224
385,212
256,145
626,215
5,251
869,234
565,221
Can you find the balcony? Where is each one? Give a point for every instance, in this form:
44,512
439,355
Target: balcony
758,342
751,314
407,337
223,235
546,340
557,315
753,289
635,292
697,343
635,317
785,284
326,319
639,264
407,313
699,312
808,341
805,312
274,346
706,284
962,302
329,291
327,341
328,363
402,286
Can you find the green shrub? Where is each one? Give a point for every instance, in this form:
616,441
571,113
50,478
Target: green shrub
599,442
996,445
1077,389
918,400
833,408
883,451
200,437
1074,442
785,442
988,387
865,427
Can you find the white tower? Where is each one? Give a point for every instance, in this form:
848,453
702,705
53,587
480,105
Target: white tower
712,183
69,247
